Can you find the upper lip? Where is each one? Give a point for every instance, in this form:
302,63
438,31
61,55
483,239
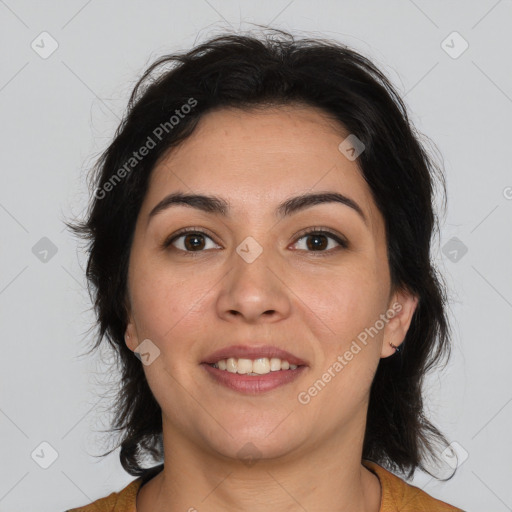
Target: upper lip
253,352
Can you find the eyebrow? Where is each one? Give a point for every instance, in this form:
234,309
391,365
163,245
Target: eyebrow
219,206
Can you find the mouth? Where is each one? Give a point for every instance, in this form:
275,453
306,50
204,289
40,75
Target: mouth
252,383
259,366
253,370
253,353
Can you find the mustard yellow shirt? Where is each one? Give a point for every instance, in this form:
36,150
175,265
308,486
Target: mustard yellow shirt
397,496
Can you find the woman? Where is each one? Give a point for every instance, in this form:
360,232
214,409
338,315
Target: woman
260,260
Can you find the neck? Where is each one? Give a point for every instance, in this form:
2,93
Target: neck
326,478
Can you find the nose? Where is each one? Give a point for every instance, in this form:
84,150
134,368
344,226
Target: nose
254,291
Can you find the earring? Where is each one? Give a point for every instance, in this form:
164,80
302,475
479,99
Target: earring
397,349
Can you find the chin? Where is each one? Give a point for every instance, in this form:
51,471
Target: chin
265,440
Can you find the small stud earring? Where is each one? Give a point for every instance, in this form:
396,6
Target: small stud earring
395,347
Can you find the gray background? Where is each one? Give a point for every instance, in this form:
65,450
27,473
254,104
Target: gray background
59,112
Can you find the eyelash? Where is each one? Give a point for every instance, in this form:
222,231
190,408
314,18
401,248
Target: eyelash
311,231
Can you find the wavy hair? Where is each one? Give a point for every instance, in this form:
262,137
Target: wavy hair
247,72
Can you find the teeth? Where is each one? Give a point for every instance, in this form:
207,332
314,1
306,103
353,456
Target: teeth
275,364
259,366
243,366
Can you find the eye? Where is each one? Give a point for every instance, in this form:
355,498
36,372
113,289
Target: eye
190,240
193,240
318,240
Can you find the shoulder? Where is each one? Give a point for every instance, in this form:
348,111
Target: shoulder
122,501
398,495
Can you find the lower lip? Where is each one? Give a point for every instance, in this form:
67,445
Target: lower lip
253,384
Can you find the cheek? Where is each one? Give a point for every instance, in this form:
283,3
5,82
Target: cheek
166,301
340,315
343,301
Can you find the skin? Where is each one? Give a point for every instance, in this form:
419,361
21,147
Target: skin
309,456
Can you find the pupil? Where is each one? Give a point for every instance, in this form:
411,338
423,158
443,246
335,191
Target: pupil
195,238
317,245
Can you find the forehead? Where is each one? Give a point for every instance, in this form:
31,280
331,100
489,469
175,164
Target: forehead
256,159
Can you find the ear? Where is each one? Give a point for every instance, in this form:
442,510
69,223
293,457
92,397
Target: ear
130,335
400,311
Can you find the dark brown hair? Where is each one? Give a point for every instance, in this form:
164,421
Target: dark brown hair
245,72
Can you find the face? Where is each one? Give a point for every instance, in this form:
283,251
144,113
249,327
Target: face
252,275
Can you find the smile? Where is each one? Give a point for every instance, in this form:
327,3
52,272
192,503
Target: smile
253,383
260,366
